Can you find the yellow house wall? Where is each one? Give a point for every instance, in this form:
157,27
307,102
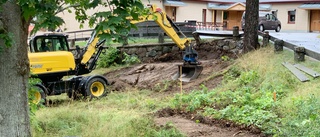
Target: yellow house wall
302,17
193,11
159,3
219,16
72,25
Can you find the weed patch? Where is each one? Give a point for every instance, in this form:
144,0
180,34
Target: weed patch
304,120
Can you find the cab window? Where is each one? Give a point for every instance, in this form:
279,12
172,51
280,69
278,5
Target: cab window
49,43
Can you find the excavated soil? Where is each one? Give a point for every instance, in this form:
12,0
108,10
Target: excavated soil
156,75
159,71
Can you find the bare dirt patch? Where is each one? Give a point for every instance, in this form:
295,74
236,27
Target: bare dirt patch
156,75
159,70
193,125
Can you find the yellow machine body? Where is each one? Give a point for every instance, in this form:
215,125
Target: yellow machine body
51,62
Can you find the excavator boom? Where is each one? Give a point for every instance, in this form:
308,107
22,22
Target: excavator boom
191,67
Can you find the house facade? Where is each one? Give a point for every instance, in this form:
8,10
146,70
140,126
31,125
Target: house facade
295,15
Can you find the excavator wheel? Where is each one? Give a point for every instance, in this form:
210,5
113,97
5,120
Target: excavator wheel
39,94
189,72
96,88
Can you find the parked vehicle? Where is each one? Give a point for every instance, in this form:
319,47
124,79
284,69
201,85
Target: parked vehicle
267,21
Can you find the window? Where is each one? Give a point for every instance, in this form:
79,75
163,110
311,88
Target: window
291,16
273,18
54,43
225,15
268,17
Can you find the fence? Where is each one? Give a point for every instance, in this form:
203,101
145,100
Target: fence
210,26
145,29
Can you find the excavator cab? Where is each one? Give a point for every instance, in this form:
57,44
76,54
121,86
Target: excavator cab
49,55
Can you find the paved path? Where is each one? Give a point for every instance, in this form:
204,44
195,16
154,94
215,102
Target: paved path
310,41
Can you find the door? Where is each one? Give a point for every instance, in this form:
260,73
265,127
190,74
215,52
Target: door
204,16
174,13
270,22
234,19
315,21
171,12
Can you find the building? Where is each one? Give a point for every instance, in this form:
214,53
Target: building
295,15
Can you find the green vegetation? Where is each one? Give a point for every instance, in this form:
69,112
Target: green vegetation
246,96
112,57
108,58
119,114
130,59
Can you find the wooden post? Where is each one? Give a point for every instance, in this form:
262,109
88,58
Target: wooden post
73,43
299,53
180,79
161,37
266,38
236,35
278,45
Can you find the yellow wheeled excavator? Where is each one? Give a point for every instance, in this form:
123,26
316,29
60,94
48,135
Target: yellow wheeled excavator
51,59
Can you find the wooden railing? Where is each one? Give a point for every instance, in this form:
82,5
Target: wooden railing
211,26
299,50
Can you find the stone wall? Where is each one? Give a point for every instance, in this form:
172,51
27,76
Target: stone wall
152,51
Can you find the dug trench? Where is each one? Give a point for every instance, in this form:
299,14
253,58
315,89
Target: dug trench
155,74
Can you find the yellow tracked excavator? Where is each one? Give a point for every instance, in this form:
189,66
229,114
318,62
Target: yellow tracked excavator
51,59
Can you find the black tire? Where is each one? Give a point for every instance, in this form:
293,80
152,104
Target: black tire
261,28
278,28
39,95
96,88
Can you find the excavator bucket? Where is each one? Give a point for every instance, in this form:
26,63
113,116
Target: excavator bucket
187,72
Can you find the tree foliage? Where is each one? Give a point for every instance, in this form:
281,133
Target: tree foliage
44,13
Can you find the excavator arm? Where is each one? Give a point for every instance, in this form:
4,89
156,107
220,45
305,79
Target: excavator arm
190,66
166,25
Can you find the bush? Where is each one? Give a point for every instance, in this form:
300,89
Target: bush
130,59
108,58
32,106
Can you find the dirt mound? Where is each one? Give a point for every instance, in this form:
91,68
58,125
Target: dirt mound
158,76
157,73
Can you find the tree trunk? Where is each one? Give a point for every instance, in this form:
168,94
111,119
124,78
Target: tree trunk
14,71
251,25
